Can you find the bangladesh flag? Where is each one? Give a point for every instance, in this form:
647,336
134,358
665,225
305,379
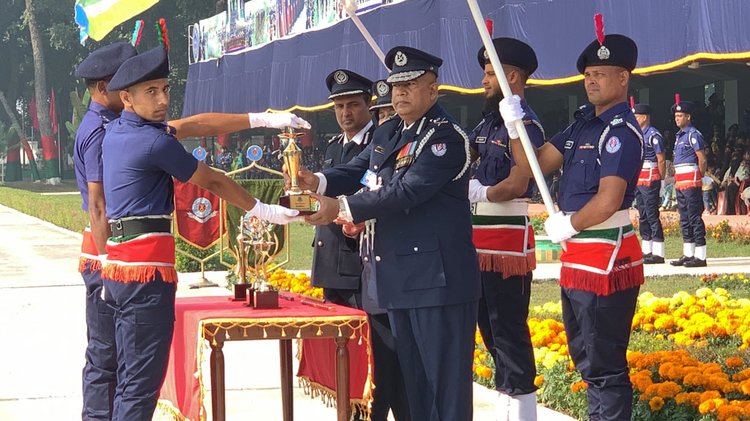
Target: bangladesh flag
97,18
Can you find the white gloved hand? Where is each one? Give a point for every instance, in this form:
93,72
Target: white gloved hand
274,214
477,192
277,120
559,228
511,111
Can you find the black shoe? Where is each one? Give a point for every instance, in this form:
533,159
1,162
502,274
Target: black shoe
647,256
681,261
653,259
696,263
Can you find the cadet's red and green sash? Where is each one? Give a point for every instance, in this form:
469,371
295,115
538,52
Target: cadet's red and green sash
687,176
504,244
89,254
138,258
602,261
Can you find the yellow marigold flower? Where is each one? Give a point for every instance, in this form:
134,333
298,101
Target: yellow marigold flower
656,403
539,380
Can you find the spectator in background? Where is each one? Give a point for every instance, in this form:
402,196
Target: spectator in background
667,192
737,172
224,160
710,187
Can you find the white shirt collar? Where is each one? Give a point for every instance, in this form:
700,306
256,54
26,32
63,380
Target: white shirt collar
360,136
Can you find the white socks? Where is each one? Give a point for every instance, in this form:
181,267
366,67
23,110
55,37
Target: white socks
516,408
657,248
646,246
700,252
688,249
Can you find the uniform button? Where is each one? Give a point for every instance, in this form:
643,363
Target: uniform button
416,248
320,244
582,161
366,259
377,258
374,167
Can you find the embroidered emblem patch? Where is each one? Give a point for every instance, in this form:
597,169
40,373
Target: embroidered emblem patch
439,149
400,59
613,144
603,53
202,210
382,88
340,77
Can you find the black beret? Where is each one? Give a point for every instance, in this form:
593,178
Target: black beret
345,82
642,109
686,107
104,62
382,89
511,51
617,50
408,63
151,65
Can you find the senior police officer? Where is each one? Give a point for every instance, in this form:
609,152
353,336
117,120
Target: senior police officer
383,107
140,156
427,271
600,154
689,166
649,184
503,236
99,373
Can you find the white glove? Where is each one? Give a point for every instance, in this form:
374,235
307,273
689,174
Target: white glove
511,111
277,120
477,192
559,228
274,214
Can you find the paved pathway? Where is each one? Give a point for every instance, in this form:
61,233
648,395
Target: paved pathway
42,323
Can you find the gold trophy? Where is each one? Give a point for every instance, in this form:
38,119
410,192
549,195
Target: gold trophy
292,156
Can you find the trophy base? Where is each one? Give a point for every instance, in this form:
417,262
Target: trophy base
265,299
302,202
249,298
240,292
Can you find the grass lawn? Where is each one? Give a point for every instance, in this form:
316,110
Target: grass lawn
63,210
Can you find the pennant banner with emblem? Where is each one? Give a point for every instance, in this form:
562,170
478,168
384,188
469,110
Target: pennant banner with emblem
196,215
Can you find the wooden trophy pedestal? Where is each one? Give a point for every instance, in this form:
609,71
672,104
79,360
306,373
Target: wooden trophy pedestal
265,299
302,202
240,292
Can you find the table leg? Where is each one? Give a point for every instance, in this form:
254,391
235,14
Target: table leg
218,403
342,379
287,399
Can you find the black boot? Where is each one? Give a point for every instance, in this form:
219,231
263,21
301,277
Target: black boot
696,263
652,259
681,261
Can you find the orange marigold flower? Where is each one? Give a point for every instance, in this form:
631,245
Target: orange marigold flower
656,403
578,386
734,362
539,380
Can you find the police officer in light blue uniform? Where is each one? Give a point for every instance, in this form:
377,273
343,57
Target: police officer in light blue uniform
140,156
427,272
503,236
100,370
600,154
649,185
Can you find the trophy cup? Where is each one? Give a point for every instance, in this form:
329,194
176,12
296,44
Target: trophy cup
292,156
259,236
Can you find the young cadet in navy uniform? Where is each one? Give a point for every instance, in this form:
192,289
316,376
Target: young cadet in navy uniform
336,265
602,266
140,156
427,271
649,184
383,108
99,373
689,167
503,236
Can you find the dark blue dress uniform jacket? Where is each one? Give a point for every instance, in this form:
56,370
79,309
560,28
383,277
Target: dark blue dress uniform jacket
423,249
336,260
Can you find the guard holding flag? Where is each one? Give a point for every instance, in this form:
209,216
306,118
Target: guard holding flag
140,156
689,166
427,271
503,236
649,185
602,266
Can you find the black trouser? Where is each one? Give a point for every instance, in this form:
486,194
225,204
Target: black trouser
647,201
502,319
435,348
598,331
390,391
144,324
100,371
690,206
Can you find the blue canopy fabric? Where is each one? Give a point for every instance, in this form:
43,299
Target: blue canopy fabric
290,73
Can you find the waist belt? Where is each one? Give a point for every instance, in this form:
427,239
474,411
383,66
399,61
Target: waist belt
647,165
621,218
137,226
685,168
509,208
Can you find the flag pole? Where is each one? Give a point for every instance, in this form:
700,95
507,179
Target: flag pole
351,9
